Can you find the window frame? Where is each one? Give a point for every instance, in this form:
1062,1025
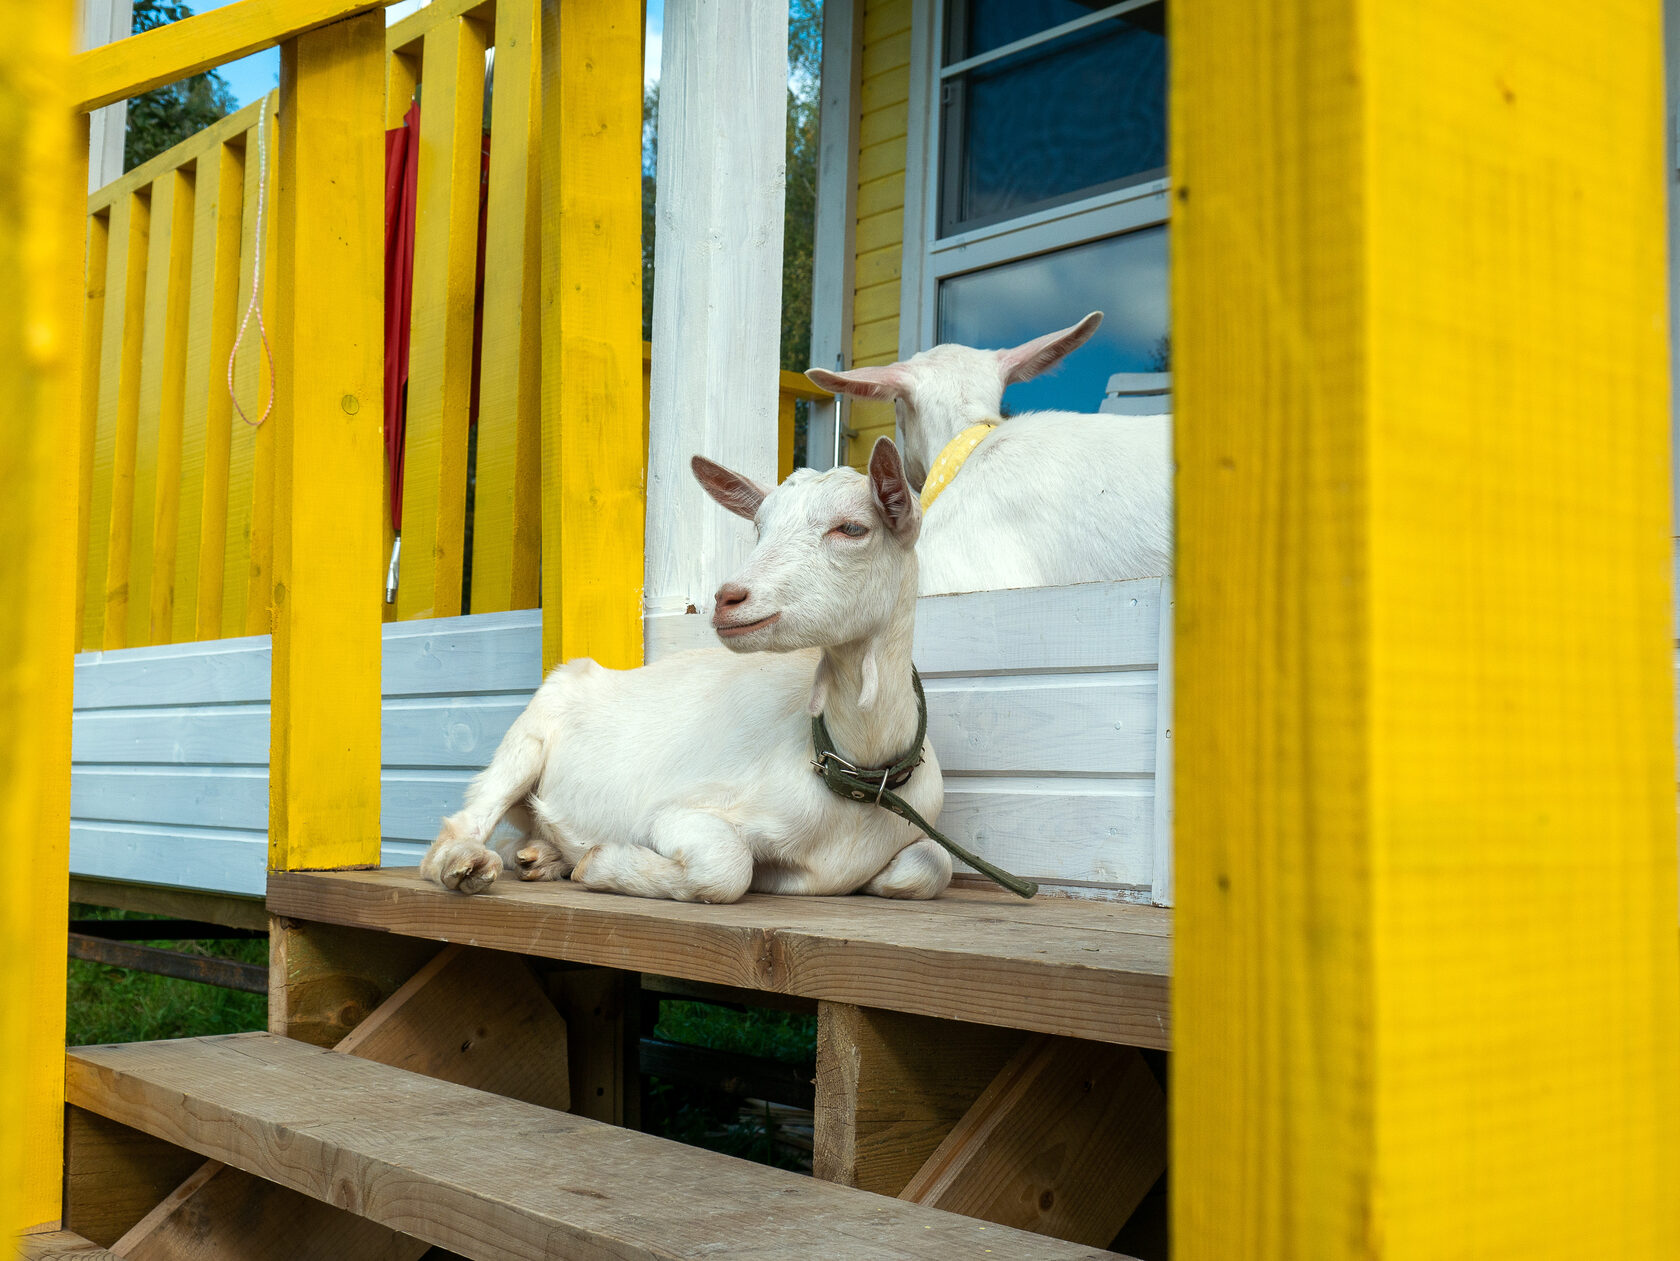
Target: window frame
928,258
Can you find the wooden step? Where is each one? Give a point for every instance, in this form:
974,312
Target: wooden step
1089,970
490,1177
62,1245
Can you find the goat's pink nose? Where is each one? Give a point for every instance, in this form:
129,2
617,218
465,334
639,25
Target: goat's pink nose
729,595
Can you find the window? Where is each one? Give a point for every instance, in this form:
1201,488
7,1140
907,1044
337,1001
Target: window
1039,186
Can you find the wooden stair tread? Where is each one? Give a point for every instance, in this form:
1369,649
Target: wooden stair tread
62,1245
1052,965
490,1177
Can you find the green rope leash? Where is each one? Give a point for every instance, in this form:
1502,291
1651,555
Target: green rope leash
874,784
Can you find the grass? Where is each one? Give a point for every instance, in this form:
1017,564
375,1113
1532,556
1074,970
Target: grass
108,1004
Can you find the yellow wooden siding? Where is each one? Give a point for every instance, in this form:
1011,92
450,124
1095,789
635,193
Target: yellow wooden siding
328,280
441,328
42,309
1425,981
594,437
878,234
93,324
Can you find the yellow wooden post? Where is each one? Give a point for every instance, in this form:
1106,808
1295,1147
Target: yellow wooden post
1426,979
328,279
42,231
594,451
441,330
507,507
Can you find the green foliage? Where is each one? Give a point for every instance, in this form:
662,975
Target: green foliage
771,1035
161,119
115,1005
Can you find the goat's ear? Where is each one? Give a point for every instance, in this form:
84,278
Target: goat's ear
741,495
888,383
898,504
1030,358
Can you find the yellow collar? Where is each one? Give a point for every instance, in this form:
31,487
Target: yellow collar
951,459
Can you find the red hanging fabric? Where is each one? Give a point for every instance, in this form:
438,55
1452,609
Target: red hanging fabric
402,178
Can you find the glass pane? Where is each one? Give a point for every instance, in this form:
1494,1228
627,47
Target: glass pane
1124,277
973,27
1065,119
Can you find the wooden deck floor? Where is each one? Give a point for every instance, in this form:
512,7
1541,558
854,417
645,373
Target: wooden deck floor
1052,965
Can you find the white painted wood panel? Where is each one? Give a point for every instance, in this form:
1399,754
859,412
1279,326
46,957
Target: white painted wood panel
221,735
223,860
1092,626
1044,724
1043,706
198,796
1090,831
218,672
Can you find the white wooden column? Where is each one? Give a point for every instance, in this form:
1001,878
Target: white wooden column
103,21
717,292
831,273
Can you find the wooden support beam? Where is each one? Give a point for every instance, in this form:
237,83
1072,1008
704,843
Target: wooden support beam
324,981
231,909
61,1245
230,974
593,449
601,1010
43,231
1066,1141
128,67
474,1017
328,285
891,1086
113,1175
717,309
1425,720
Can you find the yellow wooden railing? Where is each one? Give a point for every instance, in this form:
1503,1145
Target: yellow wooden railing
176,495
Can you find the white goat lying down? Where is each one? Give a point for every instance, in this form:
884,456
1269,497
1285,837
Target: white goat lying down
691,778
1046,498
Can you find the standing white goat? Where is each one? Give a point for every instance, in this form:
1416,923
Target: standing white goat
1046,498
691,778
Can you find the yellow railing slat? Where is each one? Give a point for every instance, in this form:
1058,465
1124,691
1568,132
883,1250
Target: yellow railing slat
206,409
594,441
93,326
507,512
120,397
260,578
328,264
1426,984
128,67
251,386
158,412
441,328
171,401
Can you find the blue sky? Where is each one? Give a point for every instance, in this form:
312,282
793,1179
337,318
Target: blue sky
253,76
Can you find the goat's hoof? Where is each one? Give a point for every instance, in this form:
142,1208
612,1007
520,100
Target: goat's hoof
472,873
541,861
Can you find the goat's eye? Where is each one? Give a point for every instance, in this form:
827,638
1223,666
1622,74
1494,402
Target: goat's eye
852,530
